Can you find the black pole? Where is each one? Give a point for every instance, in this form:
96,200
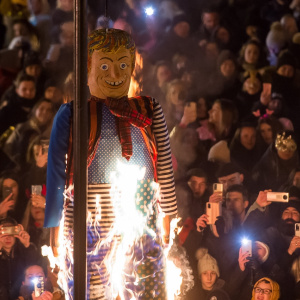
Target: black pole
80,149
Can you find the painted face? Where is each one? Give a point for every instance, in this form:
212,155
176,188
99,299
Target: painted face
263,291
227,68
198,185
110,73
251,54
248,137
44,113
266,133
208,279
26,89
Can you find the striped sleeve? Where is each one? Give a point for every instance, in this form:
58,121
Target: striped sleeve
165,174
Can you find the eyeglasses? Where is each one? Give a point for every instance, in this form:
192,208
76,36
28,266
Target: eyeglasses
263,291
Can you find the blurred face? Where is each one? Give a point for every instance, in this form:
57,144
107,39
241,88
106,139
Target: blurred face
201,108
8,242
266,133
26,89
286,71
212,50
208,279
31,273
182,29
252,86
66,38
296,180
259,251
33,70
176,95
292,214
37,213
10,183
248,137
198,186
44,113
286,155
163,75
215,114
20,29
210,21
262,287
231,179
251,54
54,94
36,6
66,5
236,204
227,68
110,74
223,35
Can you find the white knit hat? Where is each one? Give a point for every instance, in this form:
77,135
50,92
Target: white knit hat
206,262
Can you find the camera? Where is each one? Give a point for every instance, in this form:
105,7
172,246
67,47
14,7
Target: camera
213,210
246,246
297,229
277,197
10,230
36,189
218,188
38,285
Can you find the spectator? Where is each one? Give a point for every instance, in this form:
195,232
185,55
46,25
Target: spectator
265,286
16,254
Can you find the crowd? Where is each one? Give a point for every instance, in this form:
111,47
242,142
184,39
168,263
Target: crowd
227,74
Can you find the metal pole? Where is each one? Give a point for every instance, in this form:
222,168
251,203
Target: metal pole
80,149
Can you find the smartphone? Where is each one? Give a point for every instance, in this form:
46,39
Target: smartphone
36,189
218,188
297,229
213,210
10,230
277,197
38,285
6,192
247,246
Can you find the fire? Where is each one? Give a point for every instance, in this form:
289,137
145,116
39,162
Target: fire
135,87
127,240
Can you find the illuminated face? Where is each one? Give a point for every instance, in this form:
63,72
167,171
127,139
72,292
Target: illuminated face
259,251
248,137
32,272
252,86
261,290
208,279
266,133
291,213
251,54
110,73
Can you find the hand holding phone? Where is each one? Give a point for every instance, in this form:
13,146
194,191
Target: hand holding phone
189,113
213,211
202,222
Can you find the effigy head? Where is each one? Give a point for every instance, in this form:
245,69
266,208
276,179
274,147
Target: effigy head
111,60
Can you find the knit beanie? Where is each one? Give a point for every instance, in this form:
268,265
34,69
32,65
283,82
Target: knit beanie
206,262
274,285
219,152
286,58
276,37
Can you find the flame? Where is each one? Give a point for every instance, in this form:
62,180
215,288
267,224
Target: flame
135,87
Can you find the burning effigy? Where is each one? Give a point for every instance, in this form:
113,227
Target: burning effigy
130,192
